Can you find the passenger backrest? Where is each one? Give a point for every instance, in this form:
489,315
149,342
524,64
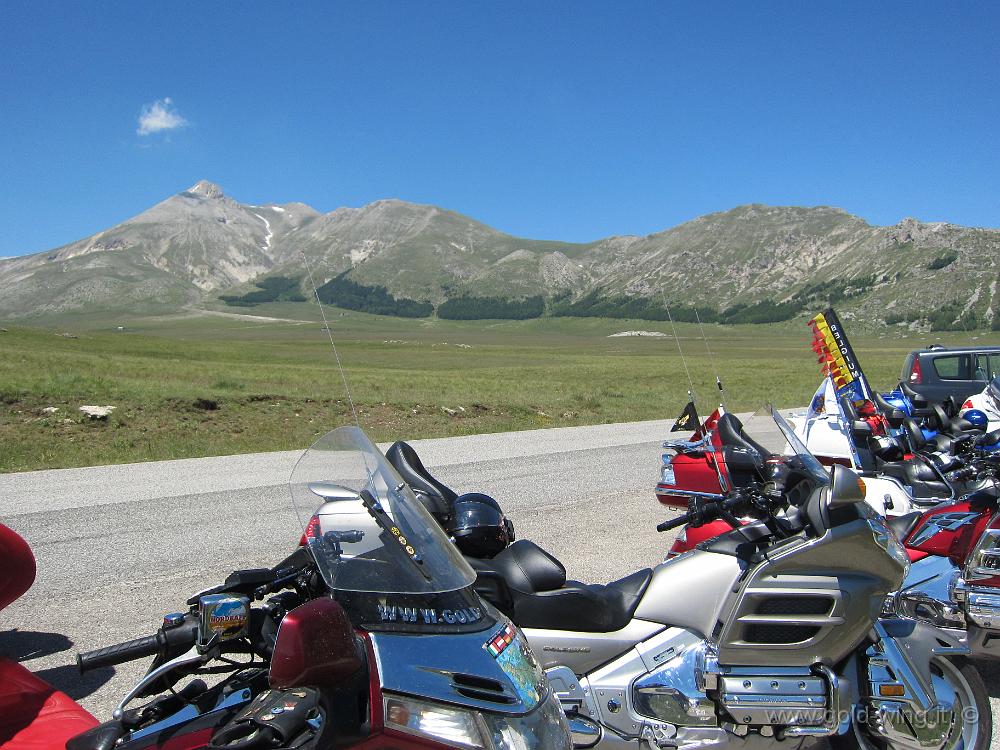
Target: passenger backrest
436,497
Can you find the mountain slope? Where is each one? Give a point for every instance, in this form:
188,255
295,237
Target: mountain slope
194,242
200,243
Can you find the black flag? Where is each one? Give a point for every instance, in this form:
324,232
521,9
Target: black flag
688,420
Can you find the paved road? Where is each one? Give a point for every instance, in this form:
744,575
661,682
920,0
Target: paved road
119,546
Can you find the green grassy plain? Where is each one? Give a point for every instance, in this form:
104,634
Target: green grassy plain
220,384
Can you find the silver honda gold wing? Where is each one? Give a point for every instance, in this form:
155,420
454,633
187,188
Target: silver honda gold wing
770,633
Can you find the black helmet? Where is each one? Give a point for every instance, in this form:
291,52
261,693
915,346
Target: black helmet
479,526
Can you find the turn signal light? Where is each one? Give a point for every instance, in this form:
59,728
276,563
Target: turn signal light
891,691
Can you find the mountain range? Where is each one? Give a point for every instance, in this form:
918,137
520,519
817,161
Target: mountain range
769,262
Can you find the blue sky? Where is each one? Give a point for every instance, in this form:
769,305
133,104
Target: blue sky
547,120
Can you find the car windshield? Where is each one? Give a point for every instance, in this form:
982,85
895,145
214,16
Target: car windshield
386,542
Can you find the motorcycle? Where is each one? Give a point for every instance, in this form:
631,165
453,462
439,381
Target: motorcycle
771,632
901,475
368,637
954,579
953,582
33,714
754,623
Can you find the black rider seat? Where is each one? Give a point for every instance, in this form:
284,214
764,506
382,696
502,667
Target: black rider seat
539,596
923,481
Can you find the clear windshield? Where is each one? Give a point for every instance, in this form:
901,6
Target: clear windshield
773,432
809,462
375,535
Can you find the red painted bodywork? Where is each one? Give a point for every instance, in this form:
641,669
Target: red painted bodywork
692,536
33,714
955,544
696,470
18,565
316,646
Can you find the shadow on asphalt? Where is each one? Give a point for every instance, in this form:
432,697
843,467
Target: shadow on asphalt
68,679
21,645
25,645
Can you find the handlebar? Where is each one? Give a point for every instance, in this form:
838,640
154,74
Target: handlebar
672,523
700,512
178,638
119,653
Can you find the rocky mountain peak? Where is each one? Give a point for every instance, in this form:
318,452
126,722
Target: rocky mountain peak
206,189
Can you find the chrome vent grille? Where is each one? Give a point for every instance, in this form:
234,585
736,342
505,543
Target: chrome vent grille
481,689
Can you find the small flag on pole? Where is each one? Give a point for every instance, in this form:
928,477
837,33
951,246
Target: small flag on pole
688,420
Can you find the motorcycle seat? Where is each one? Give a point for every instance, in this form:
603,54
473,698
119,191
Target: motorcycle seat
923,482
731,434
33,714
438,498
541,597
902,525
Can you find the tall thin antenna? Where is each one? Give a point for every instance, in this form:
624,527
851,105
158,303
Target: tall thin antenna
680,351
329,333
711,356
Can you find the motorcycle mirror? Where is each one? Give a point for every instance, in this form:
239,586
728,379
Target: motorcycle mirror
332,492
316,646
847,487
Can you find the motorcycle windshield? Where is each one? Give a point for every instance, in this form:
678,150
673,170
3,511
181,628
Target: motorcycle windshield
807,461
387,542
777,437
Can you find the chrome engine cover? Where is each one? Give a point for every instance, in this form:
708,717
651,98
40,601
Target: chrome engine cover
759,697
675,691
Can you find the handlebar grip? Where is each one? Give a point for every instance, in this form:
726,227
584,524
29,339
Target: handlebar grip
119,653
673,523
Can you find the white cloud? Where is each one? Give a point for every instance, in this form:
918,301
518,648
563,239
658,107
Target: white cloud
158,116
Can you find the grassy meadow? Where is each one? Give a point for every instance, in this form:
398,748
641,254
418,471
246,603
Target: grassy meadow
215,384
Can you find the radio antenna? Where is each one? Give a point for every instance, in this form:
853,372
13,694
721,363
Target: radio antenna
329,333
680,351
711,356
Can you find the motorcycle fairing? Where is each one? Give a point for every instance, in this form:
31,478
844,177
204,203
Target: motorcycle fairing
461,670
949,531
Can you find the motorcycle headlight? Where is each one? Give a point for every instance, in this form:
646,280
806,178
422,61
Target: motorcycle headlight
984,562
542,729
455,727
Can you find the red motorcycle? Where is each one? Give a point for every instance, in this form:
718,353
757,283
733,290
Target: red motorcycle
368,637
33,714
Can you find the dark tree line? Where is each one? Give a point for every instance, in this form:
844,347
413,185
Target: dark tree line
342,292
488,308
271,289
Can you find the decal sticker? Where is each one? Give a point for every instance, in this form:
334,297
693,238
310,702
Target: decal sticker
519,664
500,641
223,616
942,522
427,616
